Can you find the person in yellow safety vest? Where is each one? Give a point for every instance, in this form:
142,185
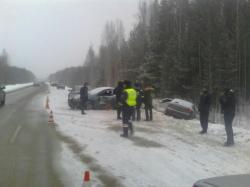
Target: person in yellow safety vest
129,102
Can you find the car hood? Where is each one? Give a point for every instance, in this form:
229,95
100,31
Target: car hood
98,90
183,103
226,181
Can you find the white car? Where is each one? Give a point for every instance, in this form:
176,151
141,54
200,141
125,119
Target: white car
98,98
226,181
2,96
179,108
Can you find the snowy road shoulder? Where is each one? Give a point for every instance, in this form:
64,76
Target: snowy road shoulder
15,87
165,152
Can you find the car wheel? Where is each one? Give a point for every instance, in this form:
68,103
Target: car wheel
94,105
70,103
89,106
3,103
166,112
193,116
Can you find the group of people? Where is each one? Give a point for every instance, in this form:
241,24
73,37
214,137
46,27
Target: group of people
129,99
228,103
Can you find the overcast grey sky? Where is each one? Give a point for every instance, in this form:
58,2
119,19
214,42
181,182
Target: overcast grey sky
47,35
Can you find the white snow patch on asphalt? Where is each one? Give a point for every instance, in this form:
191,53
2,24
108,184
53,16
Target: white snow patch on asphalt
14,87
73,168
165,152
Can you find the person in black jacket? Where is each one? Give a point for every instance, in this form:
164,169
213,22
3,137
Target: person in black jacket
148,101
140,98
118,91
84,97
228,105
204,106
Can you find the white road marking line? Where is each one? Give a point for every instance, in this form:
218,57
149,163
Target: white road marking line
13,138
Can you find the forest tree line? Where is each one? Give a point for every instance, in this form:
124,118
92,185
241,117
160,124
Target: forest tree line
180,46
11,74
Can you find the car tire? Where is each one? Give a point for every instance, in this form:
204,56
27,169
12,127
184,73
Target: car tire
89,105
166,113
94,105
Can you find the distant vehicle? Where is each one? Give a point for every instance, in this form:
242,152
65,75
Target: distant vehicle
226,181
53,84
74,97
2,96
180,109
36,84
74,100
60,86
99,98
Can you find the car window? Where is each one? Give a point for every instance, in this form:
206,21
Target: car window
106,93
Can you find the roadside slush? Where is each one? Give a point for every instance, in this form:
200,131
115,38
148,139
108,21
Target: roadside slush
15,87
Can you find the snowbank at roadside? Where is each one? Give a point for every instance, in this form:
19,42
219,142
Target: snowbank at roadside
14,87
165,152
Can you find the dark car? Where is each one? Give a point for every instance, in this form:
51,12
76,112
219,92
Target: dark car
102,97
74,100
36,84
180,109
226,181
74,97
53,84
99,98
2,96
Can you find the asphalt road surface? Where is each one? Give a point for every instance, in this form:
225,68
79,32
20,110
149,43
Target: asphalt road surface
28,145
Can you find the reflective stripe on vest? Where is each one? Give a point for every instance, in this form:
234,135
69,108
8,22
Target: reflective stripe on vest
132,94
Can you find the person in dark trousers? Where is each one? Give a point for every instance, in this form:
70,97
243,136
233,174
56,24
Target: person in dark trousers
118,92
129,102
228,104
204,106
84,97
139,101
148,102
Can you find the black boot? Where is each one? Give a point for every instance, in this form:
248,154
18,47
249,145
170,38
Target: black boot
203,132
228,144
138,115
125,132
131,128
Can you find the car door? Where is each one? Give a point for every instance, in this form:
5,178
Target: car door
106,96
1,95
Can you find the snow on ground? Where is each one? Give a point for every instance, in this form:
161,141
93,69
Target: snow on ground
71,169
14,87
166,152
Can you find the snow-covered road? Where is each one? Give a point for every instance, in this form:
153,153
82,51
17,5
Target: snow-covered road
166,152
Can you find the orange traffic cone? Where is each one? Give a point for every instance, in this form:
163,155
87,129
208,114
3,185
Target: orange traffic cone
51,118
47,103
86,179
